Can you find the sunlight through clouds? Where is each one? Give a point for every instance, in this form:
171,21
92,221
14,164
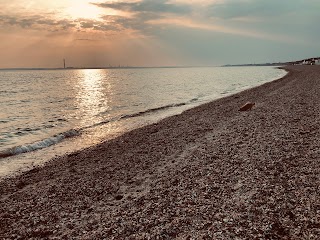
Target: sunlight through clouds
198,29
83,9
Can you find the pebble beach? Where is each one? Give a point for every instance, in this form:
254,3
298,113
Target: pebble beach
212,172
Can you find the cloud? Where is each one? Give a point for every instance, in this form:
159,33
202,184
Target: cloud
37,22
210,27
148,18
159,6
253,8
98,25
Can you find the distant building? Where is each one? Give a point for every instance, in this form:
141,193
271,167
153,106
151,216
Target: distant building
309,61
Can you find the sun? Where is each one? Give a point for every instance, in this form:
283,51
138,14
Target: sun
83,9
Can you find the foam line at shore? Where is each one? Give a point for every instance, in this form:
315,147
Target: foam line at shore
76,132
39,144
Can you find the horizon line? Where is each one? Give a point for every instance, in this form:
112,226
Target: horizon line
115,67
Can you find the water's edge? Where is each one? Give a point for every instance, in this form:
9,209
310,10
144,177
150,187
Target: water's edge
44,143
19,159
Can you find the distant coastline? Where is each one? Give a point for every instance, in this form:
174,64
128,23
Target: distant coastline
307,61
255,65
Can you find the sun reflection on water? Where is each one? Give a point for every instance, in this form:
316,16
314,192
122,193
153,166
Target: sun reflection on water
92,96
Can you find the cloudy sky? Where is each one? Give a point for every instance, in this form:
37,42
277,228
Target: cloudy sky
39,33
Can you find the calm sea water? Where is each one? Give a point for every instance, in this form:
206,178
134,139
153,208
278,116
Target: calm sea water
42,108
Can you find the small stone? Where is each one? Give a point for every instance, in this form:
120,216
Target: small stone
118,197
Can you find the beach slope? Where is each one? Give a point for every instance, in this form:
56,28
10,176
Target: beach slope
212,172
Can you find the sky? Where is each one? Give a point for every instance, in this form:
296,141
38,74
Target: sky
100,33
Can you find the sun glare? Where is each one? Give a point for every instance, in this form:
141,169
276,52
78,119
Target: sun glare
83,9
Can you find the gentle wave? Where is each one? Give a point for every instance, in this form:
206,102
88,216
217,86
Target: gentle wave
75,132
141,113
39,145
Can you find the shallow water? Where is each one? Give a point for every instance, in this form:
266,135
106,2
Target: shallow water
42,108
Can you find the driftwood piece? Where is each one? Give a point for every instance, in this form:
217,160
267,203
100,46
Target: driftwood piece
247,106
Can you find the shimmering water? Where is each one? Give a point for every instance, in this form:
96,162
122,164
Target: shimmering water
40,108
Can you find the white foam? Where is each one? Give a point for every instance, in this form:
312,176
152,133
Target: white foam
40,144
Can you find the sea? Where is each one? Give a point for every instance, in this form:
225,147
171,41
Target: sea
48,113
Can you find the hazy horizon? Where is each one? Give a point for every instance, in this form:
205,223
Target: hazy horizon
146,33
